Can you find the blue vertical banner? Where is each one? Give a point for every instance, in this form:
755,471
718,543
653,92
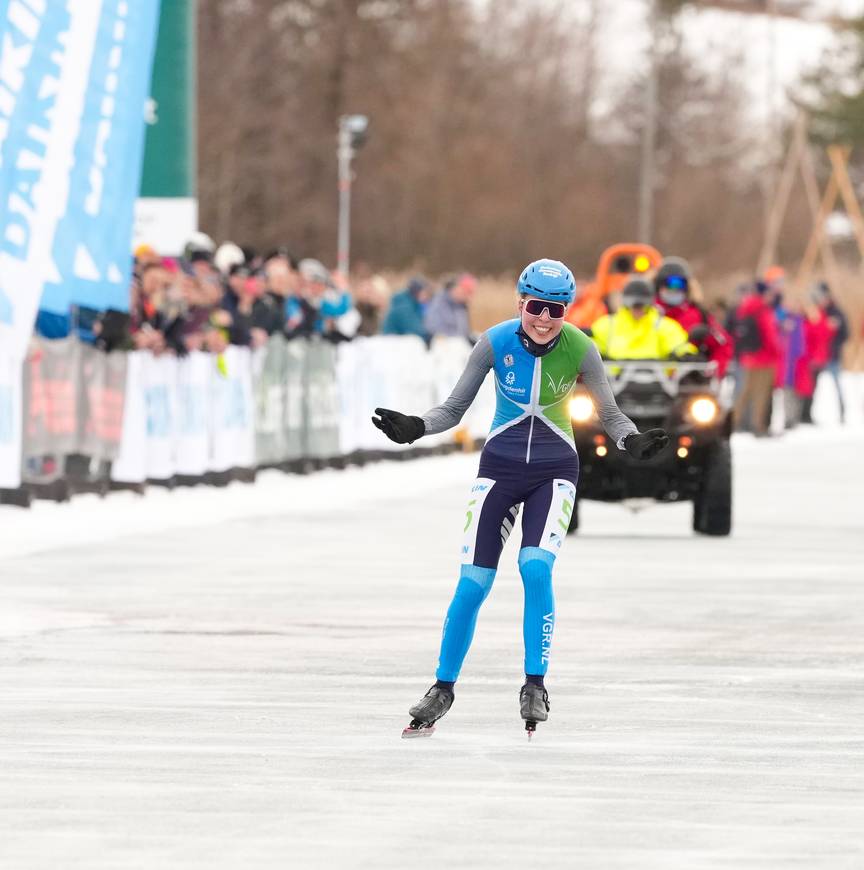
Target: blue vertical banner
74,80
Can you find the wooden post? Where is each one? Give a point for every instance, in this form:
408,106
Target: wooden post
811,187
839,156
781,199
805,269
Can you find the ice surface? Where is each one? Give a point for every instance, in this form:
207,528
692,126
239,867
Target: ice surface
219,679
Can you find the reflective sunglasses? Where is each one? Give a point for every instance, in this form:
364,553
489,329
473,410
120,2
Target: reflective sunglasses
535,306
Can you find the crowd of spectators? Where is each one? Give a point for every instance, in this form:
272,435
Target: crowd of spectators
426,311
782,344
212,297
767,342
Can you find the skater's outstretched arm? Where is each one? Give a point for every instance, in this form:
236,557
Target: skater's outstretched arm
448,414
404,429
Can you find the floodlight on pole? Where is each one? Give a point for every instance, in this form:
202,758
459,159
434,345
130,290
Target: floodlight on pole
352,135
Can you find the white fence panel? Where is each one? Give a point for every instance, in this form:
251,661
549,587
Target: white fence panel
232,414
11,374
130,466
193,413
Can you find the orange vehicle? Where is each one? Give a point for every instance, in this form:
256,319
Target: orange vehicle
617,264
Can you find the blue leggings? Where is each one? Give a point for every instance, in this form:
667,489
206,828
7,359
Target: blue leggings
547,492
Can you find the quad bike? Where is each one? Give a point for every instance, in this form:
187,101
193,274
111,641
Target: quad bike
682,398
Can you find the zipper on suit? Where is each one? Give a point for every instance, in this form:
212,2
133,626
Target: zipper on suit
534,403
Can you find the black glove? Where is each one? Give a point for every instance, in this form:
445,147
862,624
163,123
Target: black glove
399,427
644,445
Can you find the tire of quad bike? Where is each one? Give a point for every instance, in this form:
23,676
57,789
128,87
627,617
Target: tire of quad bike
712,509
574,518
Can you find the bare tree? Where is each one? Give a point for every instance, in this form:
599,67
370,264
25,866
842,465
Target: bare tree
484,149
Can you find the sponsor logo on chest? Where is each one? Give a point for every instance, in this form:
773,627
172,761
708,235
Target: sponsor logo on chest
514,375
509,385
559,387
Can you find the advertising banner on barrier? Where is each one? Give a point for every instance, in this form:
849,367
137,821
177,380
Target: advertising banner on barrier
270,395
294,422
448,356
10,421
396,374
75,80
321,411
160,395
157,417
130,466
102,388
375,388
51,381
232,415
193,413
349,375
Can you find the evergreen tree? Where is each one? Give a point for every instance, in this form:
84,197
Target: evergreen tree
834,92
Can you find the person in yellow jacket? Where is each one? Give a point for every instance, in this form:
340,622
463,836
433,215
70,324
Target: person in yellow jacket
638,330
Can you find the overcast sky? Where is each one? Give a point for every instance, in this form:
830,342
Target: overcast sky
797,45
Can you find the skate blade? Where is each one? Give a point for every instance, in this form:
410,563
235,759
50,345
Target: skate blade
530,728
410,733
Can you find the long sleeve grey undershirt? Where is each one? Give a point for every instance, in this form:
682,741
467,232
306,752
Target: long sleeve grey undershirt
447,415
617,425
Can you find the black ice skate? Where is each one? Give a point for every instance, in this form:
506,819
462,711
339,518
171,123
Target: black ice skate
426,712
533,705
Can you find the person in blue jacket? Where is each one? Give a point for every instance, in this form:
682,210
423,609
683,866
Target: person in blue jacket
405,315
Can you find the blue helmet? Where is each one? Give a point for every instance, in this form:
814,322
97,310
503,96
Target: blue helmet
547,279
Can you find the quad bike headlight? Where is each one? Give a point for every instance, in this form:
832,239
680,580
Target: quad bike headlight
704,410
581,408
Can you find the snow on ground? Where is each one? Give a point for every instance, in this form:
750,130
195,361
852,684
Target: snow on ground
89,519
219,678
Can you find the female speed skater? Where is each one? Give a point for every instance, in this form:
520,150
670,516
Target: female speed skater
529,459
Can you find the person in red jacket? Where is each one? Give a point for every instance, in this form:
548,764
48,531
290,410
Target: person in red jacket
819,331
672,284
759,356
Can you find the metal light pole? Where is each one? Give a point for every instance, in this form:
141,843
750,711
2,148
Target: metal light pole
649,135
352,135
